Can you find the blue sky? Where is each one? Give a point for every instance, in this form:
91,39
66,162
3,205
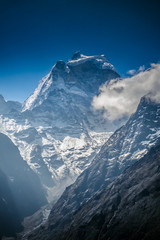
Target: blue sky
35,34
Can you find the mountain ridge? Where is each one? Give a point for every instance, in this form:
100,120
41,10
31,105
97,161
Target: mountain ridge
127,209
113,158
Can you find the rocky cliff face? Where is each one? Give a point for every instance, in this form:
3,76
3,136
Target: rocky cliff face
57,132
126,146
127,209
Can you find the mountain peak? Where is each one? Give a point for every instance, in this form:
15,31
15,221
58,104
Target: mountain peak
76,55
79,56
72,75
100,61
2,98
148,98
60,65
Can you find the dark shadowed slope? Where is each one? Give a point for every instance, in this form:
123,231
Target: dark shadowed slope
129,208
9,218
25,186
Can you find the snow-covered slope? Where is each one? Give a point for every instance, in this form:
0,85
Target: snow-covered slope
126,146
57,132
9,106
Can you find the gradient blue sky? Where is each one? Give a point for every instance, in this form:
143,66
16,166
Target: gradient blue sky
34,34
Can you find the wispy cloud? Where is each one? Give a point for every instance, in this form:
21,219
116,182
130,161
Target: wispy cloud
120,97
141,68
132,71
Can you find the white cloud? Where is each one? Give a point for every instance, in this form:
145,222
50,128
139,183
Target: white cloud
131,72
120,97
141,68
134,71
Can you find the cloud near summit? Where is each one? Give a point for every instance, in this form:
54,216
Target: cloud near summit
120,97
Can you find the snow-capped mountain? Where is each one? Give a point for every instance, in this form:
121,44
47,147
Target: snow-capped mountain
57,131
126,146
63,98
